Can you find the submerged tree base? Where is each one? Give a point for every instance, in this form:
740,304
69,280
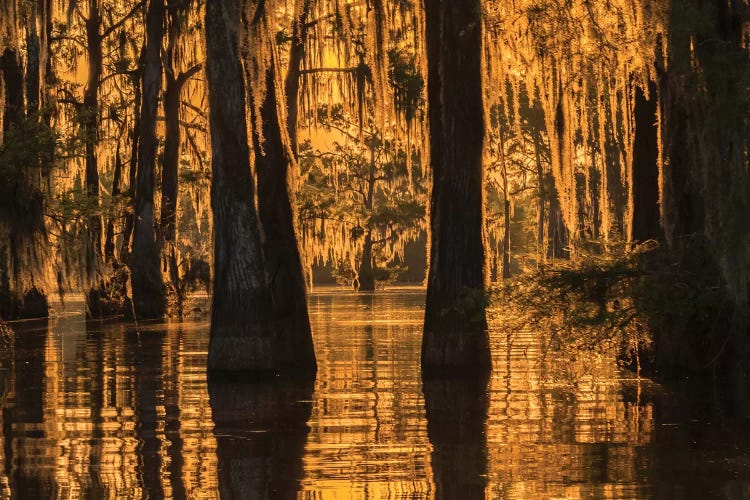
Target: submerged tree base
275,350
110,298
32,305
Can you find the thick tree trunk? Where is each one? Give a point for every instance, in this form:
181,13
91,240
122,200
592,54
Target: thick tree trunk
12,73
645,179
16,303
241,335
146,279
455,332
283,264
705,186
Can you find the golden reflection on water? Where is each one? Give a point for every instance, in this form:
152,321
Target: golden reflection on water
99,410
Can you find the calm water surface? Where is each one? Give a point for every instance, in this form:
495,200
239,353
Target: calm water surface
105,410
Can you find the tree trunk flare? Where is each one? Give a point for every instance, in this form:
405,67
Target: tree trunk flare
645,184
242,338
148,288
283,263
455,331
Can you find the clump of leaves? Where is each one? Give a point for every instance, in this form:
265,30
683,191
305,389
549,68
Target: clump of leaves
587,303
614,299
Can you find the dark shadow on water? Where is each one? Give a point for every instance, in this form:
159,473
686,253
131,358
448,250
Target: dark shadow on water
146,349
456,426
261,431
23,414
699,449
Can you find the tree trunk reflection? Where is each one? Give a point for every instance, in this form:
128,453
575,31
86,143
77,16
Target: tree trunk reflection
456,426
261,430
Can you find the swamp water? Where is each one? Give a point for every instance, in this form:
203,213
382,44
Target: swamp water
102,410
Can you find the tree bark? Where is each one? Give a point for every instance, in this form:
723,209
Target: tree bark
241,335
148,288
455,331
127,231
175,82
283,263
705,183
645,180
90,130
557,233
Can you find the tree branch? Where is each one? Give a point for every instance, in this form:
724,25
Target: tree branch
328,70
122,21
186,75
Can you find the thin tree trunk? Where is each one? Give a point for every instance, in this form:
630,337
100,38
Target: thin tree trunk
109,234
557,233
455,332
541,198
241,335
90,130
127,232
148,288
292,80
283,264
170,172
506,237
366,273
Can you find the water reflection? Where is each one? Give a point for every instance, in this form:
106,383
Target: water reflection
105,410
456,419
261,430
